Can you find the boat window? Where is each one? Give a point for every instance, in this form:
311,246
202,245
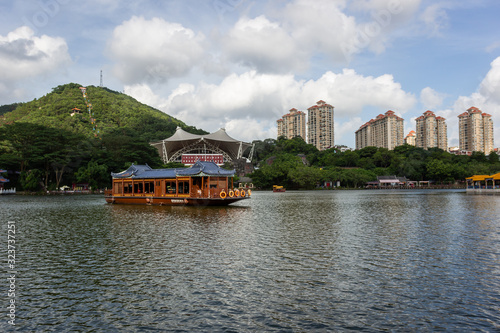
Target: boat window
170,187
217,182
149,187
118,188
138,188
127,187
184,187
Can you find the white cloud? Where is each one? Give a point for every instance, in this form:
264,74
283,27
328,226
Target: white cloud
323,26
431,99
250,103
307,30
25,56
144,94
259,95
490,86
487,99
492,47
154,50
435,18
263,45
249,129
344,131
350,92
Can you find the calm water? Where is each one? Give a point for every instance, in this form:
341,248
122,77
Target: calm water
295,261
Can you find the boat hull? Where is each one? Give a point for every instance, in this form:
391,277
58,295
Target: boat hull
175,201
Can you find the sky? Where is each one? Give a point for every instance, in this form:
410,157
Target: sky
241,64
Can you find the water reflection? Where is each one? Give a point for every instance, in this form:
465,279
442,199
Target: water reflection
293,261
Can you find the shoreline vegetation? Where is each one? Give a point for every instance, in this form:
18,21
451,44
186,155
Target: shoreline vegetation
45,145
394,188
295,164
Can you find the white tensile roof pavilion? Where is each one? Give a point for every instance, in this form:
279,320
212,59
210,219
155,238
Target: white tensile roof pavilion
182,142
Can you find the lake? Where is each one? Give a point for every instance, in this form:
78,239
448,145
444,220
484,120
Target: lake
373,260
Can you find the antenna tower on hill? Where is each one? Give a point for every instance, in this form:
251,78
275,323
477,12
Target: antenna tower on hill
100,84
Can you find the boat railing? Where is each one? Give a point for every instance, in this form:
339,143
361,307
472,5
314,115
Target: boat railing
214,192
8,191
206,193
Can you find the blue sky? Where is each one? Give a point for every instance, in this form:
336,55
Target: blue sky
241,64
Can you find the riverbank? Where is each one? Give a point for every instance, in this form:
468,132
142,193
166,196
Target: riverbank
59,192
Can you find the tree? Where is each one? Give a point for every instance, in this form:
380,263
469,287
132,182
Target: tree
439,170
263,149
383,157
296,145
413,169
94,174
30,180
277,172
479,157
348,159
305,177
356,177
493,158
24,142
404,150
123,146
367,152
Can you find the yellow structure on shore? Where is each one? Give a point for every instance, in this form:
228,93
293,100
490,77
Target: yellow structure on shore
484,183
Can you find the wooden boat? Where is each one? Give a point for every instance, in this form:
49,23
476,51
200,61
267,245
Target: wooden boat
278,188
202,184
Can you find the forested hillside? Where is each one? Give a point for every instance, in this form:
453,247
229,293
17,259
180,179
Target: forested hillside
110,109
48,143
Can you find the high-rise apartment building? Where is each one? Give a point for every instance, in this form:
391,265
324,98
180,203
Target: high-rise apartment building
475,131
431,131
320,125
292,124
410,138
385,131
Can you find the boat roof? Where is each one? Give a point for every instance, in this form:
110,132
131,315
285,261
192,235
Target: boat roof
200,168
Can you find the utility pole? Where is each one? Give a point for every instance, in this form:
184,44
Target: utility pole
100,84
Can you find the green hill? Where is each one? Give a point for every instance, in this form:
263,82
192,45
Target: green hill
8,108
111,110
47,142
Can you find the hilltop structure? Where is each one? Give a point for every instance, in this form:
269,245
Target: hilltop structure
385,131
431,131
475,131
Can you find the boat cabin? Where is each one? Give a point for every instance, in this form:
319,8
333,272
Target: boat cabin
204,183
